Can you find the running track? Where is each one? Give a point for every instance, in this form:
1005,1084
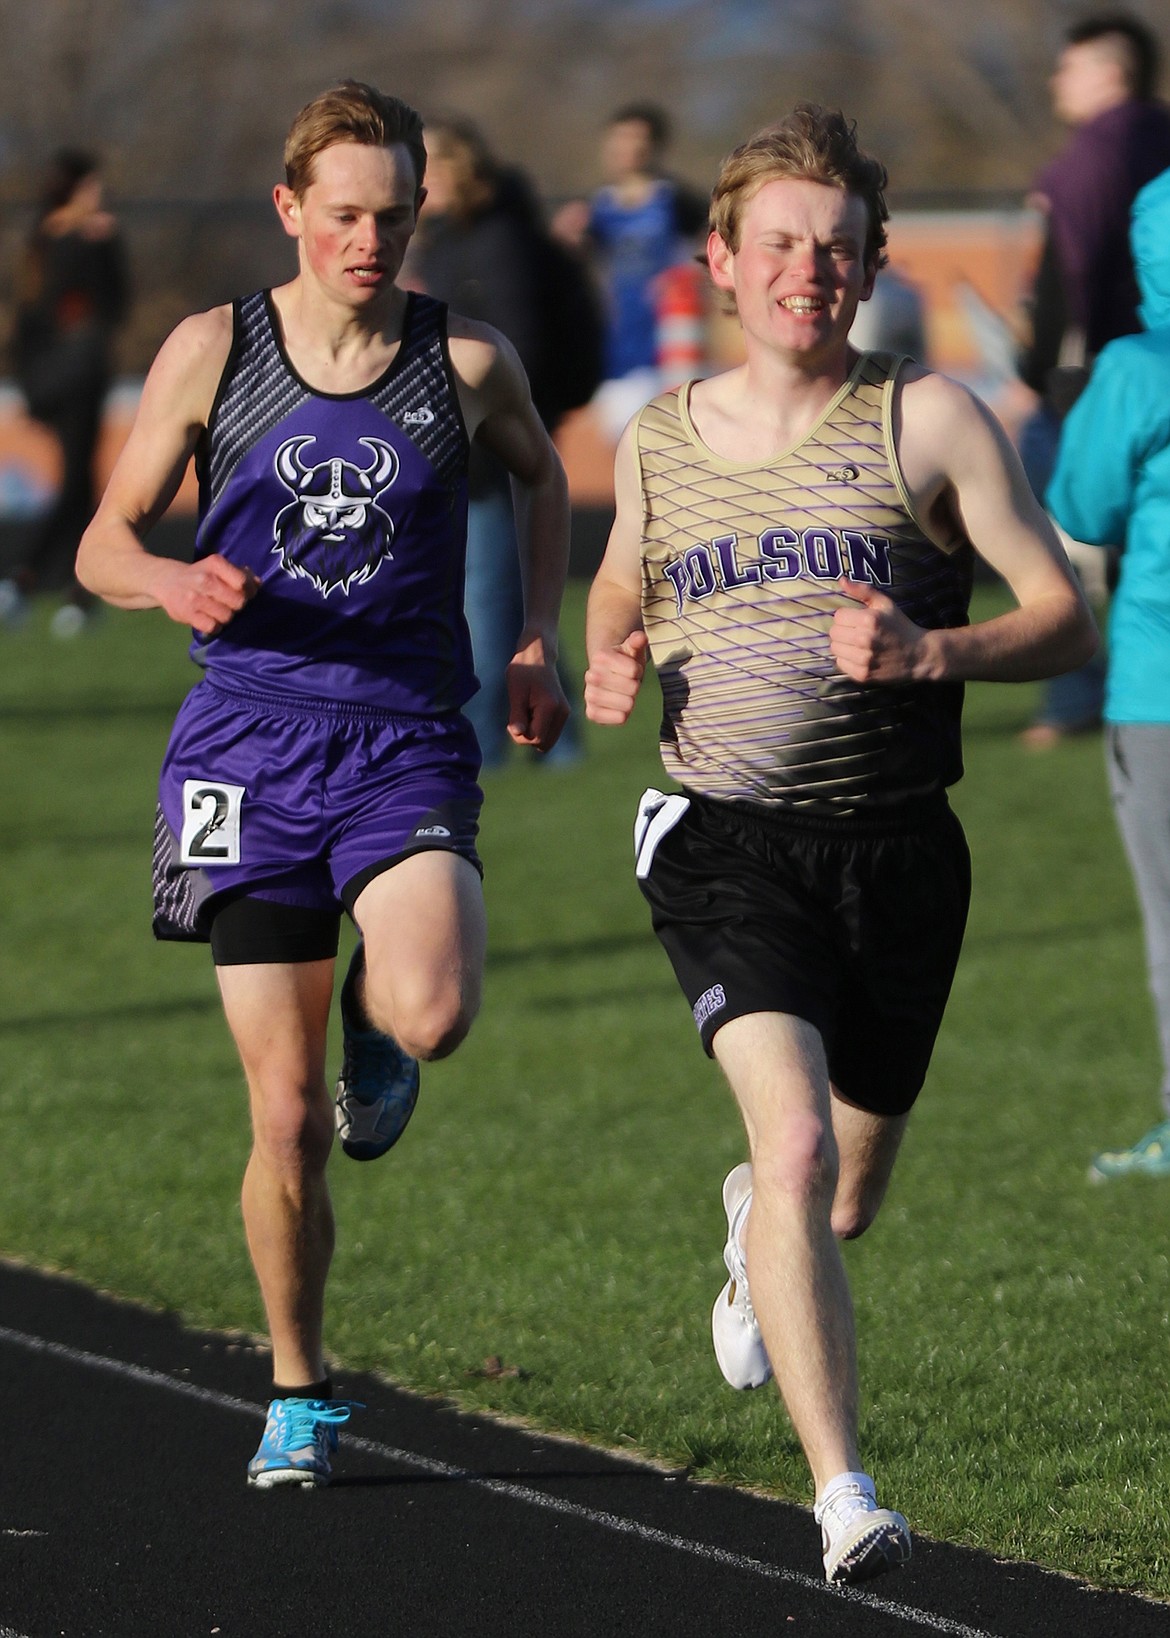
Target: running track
123,1511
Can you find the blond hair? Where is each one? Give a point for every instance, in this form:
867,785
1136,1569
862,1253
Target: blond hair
811,144
351,112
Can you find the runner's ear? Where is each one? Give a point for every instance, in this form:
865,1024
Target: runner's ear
288,208
719,260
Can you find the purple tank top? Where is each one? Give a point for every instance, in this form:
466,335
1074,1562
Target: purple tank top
351,511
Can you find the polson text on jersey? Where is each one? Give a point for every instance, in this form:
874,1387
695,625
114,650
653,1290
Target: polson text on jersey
784,554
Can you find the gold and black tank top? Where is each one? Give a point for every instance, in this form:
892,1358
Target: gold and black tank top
740,563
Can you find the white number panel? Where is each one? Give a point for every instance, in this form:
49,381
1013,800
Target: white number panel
211,823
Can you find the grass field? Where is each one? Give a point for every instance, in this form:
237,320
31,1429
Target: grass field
556,1200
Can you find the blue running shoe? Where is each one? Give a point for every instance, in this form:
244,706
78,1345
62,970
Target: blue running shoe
300,1435
378,1085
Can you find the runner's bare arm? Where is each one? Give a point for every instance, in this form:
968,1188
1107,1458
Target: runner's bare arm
967,481
498,409
176,402
614,638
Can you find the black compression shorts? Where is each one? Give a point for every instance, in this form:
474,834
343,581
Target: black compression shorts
248,930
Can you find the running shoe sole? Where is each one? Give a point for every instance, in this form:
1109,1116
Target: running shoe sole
275,1477
881,1543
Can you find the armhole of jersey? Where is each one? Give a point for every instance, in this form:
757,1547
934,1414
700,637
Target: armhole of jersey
889,387
637,433
448,367
229,363
203,445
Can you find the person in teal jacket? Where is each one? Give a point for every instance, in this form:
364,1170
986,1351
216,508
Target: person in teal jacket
1111,486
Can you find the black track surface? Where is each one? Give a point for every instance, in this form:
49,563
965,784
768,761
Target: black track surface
124,1512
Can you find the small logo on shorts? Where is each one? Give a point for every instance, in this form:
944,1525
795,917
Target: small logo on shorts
432,830
842,474
419,417
710,1001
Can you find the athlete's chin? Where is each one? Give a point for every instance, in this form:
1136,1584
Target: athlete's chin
365,284
806,333
803,340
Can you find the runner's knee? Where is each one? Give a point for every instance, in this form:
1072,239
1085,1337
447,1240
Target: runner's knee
428,1020
293,1134
796,1161
436,1032
851,1218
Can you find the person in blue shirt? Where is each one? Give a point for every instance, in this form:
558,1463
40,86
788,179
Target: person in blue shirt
639,224
1111,486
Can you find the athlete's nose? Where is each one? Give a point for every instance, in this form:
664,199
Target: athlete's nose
805,261
366,233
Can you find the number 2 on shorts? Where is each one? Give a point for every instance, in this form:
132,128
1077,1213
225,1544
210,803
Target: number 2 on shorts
211,823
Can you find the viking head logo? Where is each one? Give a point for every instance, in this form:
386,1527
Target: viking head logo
333,532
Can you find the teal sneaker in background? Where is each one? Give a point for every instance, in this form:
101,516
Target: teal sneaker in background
1149,1157
300,1435
378,1085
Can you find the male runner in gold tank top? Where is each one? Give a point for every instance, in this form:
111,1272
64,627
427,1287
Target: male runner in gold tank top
792,547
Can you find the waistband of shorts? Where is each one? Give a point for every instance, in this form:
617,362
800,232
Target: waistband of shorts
306,706
897,819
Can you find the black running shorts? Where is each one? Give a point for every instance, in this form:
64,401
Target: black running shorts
854,924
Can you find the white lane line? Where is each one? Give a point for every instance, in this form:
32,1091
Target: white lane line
503,1487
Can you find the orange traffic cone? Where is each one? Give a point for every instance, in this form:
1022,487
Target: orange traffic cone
682,328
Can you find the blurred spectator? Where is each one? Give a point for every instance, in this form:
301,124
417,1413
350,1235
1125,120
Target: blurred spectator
1112,487
71,296
638,226
482,247
1085,292
893,320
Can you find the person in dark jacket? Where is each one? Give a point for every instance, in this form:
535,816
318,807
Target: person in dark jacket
1104,90
1086,294
72,295
478,250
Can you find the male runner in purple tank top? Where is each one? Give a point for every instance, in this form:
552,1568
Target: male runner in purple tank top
323,761
793,544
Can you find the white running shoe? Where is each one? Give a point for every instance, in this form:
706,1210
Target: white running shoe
735,1330
859,1539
